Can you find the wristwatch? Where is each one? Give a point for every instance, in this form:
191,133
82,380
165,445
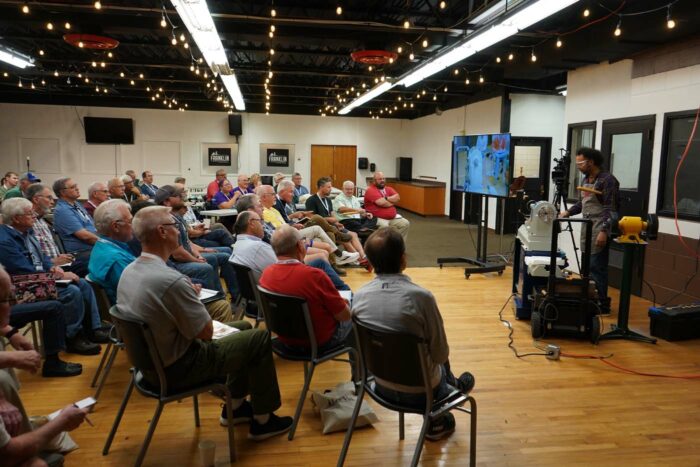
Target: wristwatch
11,333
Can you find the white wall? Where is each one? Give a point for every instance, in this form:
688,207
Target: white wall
184,132
607,91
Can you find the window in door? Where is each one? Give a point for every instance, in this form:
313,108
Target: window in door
579,135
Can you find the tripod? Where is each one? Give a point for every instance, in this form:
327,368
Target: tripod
560,177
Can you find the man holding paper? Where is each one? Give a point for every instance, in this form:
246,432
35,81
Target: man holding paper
163,298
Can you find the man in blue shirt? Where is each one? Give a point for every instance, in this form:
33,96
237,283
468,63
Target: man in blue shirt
71,221
299,189
21,254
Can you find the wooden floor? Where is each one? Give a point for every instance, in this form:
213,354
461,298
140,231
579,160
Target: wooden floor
531,412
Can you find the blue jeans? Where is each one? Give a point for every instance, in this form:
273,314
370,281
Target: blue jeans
220,259
73,308
90,304
599,272
51,313
201,272
330,272
217,237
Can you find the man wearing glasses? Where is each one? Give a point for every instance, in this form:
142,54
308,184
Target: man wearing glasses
71,221
97,194
598,203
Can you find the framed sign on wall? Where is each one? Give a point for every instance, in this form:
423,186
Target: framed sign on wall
219,155
276,158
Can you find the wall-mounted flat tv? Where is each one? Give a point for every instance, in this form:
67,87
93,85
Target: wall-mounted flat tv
109,130
481,164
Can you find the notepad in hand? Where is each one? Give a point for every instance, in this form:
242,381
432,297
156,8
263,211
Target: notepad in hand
206,294
222,330
82,404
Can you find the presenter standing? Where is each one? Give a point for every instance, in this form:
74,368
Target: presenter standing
380,201
599,199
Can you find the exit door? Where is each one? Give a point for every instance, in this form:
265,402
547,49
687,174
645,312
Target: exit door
337,162
627,152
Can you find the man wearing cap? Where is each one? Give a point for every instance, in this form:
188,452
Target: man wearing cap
9,181
19,191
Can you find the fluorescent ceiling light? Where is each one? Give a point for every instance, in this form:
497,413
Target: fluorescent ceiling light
486,37
366,97
200,24
16,59
498,8
231,84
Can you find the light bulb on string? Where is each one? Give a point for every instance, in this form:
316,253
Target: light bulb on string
511,56
406,24
32,86
339,10
670,23
103,64
445,90
273,12
370,68
49,26
466,81
498,59
411,56
618,28
559,42
586,12
456,72
110,54
186,45
67,25
81,44
425,43
272,27
533,57
55,73
399,49
141,75
94,64
25,9
481,79
98,5
163,23
173,41
41,52
443,5
43,82
182,38
20,83
121,74
132,82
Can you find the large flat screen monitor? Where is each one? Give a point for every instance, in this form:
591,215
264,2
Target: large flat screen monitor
109,130
481,164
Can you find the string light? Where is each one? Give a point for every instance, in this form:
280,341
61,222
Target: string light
182,38
456,72
20,83
498,59
98,5
399,49
618,28
273,13
670,23
411,56
445,90
110,55
163,23
586,12
25,9
406,24
425,43
43,82
511,56
94,64
121,74
481,79
173,41
49,26
339,10
81,44
466,81
67,25
141,75
55,73
559,42
41,52
32,86
443,5
533,57
103,64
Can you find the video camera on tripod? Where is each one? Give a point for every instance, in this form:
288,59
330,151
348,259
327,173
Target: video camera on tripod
560,172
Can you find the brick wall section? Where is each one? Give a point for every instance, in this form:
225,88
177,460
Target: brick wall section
668,267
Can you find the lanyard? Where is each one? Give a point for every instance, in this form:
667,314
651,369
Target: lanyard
326,207
34,253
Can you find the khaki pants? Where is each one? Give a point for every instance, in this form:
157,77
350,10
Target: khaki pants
400,224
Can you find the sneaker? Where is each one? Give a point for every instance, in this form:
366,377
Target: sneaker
56,367
441,427
364,262
347,257
242,414
274,426
465,382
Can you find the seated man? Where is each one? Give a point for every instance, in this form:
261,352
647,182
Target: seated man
20,190
349,211
322,205
190,255
42,200
391,301
315,233
19,445
111,254
330,314
97,193
131,193
250,250
299,189
9,181
116,187
166,300
216,237
22,254
380,201
213,187
71,221
147,187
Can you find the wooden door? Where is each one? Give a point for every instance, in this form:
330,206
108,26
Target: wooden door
336,162
344,163
321,164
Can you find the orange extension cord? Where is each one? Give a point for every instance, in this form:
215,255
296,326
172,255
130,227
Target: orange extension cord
627,370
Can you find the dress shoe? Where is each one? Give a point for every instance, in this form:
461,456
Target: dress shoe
81,346
55,367
339,271
101,335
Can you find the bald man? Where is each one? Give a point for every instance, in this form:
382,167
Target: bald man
381,201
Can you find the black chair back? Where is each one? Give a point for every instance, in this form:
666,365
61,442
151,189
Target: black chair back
395,357
140,348
287,316
103,303
246,282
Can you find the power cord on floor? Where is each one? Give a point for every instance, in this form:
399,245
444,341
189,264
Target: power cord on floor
510,333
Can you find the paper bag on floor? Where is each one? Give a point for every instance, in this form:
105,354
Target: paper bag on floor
336,406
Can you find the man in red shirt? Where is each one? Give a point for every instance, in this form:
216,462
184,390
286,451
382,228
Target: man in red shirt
381,201
330,313
213,187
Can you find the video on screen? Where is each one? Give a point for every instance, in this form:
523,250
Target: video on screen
481,164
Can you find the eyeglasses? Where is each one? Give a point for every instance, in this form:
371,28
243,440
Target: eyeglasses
129,222
73,187
256,220
583,162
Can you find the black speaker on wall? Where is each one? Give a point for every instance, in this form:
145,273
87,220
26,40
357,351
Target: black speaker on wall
362,163
404,168
235,125
373,167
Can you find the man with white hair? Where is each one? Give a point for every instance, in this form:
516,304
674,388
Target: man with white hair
243,187
349,211
42,200
22,254
98,193
167,302
381,201
131,193
299,189
72,223
111,254
116,188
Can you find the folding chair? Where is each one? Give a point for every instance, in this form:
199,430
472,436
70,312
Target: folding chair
402,359
247,293
289,316
143,355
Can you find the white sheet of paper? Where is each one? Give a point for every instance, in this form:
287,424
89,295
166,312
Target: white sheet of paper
346,294
63,281
82,404
222,330
207,293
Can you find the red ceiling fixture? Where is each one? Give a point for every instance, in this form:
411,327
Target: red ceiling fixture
373,57
91,41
